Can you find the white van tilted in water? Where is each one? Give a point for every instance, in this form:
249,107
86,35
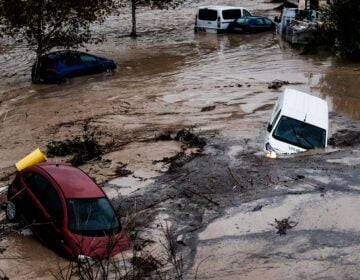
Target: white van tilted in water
216,19
299,122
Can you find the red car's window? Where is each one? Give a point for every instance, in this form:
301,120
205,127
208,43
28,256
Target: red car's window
46,194
92,217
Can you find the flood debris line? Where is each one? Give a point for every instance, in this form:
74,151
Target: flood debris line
175,161
283,225
190,140
208,108
122,171
345,138
277,84
83,148
238,184
231,86
187,136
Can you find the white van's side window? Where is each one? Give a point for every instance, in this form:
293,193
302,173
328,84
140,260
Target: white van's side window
231,14
275,119
246,13
207,14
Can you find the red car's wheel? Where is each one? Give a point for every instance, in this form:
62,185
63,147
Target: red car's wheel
11,211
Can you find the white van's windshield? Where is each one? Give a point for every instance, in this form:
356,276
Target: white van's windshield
299,133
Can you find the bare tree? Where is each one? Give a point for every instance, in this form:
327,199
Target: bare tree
46,24
153,4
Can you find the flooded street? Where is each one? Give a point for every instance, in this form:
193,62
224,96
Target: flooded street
171,79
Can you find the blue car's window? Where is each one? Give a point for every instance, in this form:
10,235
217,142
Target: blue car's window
88,58
45,193
48,63
299,133
72,59
242,20
267,21
92,217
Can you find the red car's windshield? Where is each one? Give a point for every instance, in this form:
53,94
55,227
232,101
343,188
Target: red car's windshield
92,217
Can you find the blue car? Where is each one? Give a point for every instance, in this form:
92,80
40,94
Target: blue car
251,24
56,67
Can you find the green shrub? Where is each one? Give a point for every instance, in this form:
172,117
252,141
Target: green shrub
342,26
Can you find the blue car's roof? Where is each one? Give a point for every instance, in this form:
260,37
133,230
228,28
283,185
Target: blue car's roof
248,19
253,17
60,54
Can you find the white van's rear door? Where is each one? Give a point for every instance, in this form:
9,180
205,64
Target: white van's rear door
207,20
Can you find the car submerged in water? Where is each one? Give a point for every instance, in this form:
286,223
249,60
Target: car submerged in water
56,67
299,122
251,25
67,211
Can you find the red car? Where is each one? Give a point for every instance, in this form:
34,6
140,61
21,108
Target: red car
67,211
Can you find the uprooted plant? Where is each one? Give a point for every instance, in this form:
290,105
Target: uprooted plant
189,140
83,148
283,225
186,136
5,229
171,248
136,264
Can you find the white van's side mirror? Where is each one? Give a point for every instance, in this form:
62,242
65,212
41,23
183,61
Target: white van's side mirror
269,127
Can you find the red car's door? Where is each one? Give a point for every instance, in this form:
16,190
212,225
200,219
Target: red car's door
43,208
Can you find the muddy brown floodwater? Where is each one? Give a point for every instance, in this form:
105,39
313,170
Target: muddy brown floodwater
222,200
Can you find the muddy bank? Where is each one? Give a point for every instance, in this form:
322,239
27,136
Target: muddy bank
220,183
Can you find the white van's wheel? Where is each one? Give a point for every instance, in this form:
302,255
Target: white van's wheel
11,211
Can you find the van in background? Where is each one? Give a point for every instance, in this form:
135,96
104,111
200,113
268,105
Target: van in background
299,122
216,19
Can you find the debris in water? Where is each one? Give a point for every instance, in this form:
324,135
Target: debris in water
345,138
122,171
257,208
277,84
208,108
187,137
283,225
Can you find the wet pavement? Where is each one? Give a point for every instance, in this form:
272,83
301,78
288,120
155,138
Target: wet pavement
227,197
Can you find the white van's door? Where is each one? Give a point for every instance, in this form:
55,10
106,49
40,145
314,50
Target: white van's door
207,20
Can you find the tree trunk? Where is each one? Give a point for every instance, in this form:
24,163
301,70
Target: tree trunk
35,73
133,14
